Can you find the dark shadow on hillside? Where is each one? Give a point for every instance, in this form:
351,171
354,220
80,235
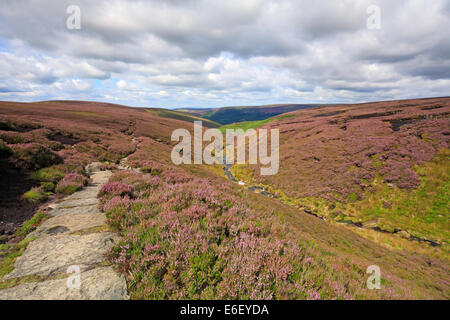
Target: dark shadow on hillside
13,209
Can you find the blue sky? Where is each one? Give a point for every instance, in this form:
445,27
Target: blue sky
200,53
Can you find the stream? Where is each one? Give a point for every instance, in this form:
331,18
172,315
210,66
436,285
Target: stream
260,190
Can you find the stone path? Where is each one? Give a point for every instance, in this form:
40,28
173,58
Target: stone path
73,237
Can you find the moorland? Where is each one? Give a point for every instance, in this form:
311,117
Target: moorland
358,185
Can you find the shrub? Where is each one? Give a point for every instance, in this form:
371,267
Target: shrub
5,151
36,195
71,183
191,239
12,137
122,148
112,189
34,156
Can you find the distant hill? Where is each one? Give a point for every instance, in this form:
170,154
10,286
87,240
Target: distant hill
184,116
196,111
227,115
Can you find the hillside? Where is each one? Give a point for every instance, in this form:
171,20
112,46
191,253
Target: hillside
187,232
67,135
381,168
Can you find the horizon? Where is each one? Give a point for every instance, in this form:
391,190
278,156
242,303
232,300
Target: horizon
203,55
227,106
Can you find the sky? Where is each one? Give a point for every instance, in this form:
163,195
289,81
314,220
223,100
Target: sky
204,53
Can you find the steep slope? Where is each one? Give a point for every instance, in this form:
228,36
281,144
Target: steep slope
186,237
42,142
377,166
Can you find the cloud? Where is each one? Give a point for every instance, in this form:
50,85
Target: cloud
203,53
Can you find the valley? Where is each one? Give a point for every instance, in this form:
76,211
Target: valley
358,185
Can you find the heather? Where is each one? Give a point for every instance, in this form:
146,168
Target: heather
113,189
352,158
189,238
48,140
5,151
188,233
423,212
33,156
71,183
49,174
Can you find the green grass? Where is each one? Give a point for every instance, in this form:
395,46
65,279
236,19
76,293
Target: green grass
69,189
31,224
247,125
7,263
424,212
50,174
36,195
48,186
10,252
4,249
5,151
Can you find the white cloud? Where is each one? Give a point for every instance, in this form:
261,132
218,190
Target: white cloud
198,52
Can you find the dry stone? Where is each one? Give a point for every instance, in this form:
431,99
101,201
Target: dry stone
56,248
48,255
96,284
69,224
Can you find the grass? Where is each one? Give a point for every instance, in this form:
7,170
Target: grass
50,174
87,114
228,115
4,249
423,212
48,186
215,169
36,195
247,125
241,173
7,263
31,224
10,252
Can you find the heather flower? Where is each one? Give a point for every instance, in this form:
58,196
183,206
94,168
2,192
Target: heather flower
112,189
71,183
